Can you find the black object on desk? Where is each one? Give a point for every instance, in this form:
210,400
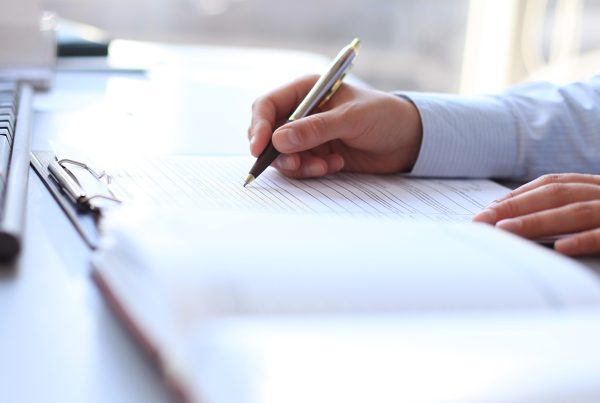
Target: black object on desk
72,43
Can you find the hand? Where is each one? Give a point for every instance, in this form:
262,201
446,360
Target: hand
552,205
357,130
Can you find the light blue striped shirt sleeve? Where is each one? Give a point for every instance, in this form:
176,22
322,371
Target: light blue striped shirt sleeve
527,131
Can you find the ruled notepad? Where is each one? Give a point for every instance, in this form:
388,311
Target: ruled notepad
216,182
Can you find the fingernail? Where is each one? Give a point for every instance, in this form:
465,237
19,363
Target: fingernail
510,225
252,140
486,216
285,162
313,170
290,137
336,164
567,245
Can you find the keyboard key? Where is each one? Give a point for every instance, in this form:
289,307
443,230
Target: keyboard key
6,127
4,133
8,119
7,102
8,86
8,97
4,158
7,115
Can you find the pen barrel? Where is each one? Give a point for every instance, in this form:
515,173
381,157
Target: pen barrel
327,84
264,160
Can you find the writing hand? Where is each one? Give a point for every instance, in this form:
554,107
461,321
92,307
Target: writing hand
358,130
552,205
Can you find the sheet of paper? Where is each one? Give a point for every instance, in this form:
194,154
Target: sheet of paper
173,270
216,182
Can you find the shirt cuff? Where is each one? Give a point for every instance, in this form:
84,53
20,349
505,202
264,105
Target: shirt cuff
465,136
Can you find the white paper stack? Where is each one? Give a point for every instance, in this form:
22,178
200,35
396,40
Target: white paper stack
263,307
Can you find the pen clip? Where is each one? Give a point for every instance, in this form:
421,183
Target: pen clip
333,89
96,174
343,72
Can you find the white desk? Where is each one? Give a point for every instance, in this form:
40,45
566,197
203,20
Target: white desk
59,342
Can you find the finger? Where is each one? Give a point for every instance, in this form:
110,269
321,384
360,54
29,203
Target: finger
335,163
279,103
584,243
260,141
289,162
313,131
309,168
264,112
314,167
552,179
539,199
321,151
574,217
272,108
260,137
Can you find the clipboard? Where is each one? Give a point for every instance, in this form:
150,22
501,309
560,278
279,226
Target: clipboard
83,208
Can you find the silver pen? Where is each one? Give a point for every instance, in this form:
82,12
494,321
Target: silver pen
320,93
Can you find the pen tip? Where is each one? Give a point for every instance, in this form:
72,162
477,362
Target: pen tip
249,179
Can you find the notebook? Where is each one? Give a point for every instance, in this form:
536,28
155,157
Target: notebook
237,307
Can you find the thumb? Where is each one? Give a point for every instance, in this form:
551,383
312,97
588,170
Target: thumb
311,131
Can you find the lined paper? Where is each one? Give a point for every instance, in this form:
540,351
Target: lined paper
216,183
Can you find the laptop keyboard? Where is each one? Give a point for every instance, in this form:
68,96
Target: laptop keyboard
15,119
8,120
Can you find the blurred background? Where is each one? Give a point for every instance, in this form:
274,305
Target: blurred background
429,45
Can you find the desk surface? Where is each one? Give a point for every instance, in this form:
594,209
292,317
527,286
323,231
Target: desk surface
58,339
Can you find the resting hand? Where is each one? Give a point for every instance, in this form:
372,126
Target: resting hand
358,130
552,205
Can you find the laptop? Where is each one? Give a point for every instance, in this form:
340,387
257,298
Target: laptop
27,53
